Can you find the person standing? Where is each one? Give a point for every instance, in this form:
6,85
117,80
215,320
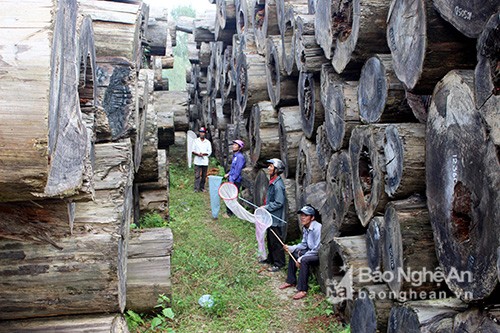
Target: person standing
275,204
202,149
305,252
238,163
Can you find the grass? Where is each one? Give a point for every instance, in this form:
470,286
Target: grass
218,257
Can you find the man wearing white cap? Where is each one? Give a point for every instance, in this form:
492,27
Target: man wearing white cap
202,149
305,252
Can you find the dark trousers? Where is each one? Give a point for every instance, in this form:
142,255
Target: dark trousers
228,211
200,175
276,254
305,266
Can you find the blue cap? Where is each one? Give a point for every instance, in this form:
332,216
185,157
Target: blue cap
308,210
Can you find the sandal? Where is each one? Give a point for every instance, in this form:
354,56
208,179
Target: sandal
286,285
300,295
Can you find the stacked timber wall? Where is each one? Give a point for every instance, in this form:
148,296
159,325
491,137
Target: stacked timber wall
386,114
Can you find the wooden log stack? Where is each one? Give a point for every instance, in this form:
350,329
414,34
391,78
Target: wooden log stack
80,158
377,119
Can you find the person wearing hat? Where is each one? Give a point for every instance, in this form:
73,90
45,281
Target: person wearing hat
202,149
238,163
275,204
305,252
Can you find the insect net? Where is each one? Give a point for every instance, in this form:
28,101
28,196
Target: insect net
261,217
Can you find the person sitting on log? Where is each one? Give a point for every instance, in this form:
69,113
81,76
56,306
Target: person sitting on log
238,163
305,252
202,149
275,204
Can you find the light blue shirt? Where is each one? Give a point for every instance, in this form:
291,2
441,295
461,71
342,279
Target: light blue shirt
310,241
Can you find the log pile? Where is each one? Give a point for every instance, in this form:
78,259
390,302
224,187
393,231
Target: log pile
387,132
80,160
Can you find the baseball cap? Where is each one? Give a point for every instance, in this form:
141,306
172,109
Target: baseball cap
203,129
308,210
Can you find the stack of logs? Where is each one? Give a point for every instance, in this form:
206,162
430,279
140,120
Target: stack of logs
80,160
387,116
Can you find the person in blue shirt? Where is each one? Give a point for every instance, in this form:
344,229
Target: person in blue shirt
238,163
305,252
275,203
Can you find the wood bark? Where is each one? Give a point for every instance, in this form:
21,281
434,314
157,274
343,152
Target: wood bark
371,310
424,316
343,220
293,227
323,149
419,105
374,242
290,134
408,246
227,82
468,17
308,170
486,77
311,109
160,82
294,22
251,83
477,320
148,269
362,25
154,196
324,20
142,88
264,22
116,94
264,133
281,88
436,47
367,174
315,195
105,323
339,100
79,272
462,180
118,28
44,139
381,96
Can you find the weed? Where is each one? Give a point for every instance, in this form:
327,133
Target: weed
152,220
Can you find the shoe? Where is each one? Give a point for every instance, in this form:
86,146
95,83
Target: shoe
263,261
203,190
300,295
286,285
274,269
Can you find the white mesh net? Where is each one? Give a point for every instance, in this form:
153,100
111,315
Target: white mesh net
261,217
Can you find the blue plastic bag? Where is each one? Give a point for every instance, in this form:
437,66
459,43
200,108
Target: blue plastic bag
213,184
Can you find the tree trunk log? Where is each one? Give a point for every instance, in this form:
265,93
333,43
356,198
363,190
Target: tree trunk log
381,96
477,320
486,76
403,162
148,269
371,310
408,246
227,85
251,83
264,134
282,89
367,175
362,26
468,17
226,14
339,99
290,134
116,81
289,21
324,21
308,170
419,105
44,140
343,221
243,17
435,48
311,109
204,27
99,323
309,56
315,195
323,149
293,227
424,316
374,242
462,177
175,102
265,22
260,187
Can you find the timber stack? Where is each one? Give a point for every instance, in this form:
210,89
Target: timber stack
387,116
81,159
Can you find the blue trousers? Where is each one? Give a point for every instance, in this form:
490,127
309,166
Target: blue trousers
305,265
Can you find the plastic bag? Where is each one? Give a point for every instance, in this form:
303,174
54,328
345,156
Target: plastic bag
213,184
